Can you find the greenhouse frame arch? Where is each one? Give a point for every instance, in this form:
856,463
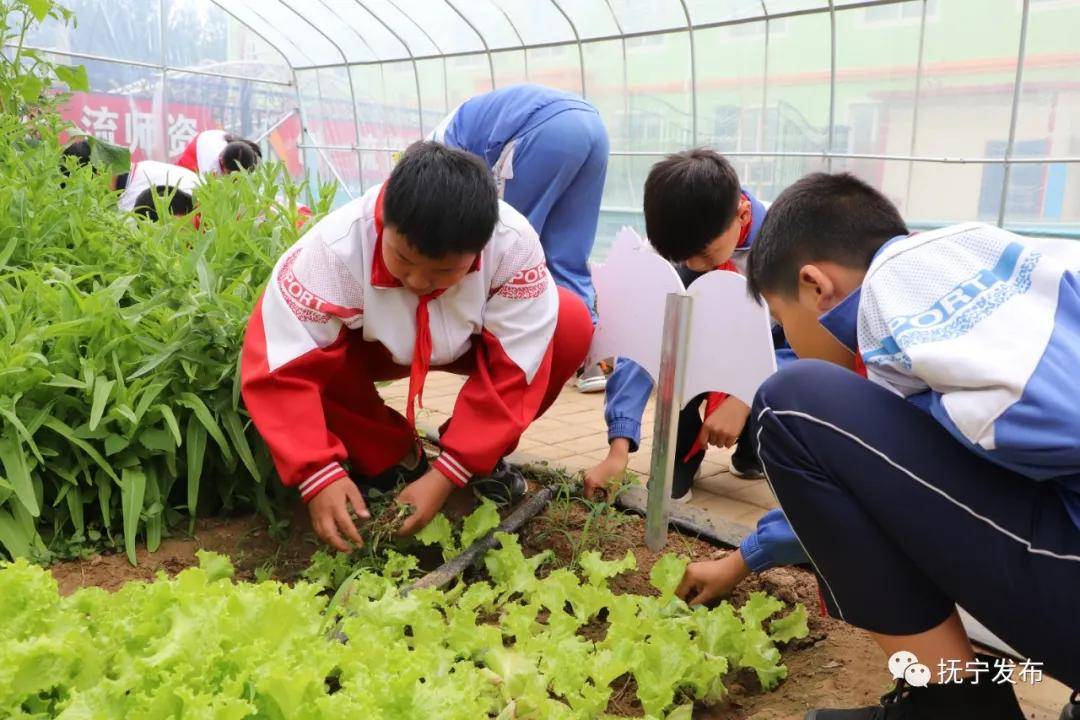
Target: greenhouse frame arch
941,103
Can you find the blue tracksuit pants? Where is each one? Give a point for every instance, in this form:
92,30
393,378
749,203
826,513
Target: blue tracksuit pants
902,522
559,171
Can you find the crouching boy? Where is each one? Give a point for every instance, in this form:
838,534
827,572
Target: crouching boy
429,270
949,472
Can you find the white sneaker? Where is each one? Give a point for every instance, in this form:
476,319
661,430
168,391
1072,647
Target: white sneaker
683,499
752,471
593,380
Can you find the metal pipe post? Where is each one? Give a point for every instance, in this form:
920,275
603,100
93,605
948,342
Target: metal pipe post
669,402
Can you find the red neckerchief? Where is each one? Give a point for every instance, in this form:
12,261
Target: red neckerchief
421,360
860,366
716,398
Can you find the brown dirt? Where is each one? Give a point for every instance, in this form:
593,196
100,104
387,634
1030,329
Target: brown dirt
835,666
246,540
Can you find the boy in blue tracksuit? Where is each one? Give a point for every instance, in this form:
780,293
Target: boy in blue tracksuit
951,468
699,217
548,150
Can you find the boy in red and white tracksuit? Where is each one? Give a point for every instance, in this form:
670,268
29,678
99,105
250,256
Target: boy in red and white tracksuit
370,294
216,152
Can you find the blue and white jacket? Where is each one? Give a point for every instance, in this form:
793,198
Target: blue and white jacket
980,328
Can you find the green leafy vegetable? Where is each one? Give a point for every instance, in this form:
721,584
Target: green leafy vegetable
599,571
667,573
119,338
202,645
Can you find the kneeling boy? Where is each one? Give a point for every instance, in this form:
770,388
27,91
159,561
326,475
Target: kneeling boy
949,473
428,270
698,217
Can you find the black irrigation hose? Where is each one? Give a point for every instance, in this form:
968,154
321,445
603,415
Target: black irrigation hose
692,520
446,572
688,519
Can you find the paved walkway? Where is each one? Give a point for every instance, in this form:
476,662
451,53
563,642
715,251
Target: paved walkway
572,434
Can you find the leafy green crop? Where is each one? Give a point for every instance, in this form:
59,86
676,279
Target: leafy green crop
202,646
119,339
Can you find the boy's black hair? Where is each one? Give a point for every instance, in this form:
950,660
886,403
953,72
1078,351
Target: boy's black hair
78,149
239,154
821,217
229,137
691,197
443,200
180,203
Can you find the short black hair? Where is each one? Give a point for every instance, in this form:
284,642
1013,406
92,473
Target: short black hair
691,197
229,137
239,154
821,217
443,200
78,149
180,202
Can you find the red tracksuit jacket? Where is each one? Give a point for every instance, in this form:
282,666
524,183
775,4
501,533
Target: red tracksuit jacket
333,282
203,152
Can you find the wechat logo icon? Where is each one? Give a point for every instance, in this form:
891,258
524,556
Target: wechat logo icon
905,666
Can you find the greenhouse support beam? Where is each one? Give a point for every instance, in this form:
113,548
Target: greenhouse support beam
348,73
277,123
480,36
763,118
918,95
832,84
577,40
346,148
693,76
1018,86
625,67
352,101
1049,160
334,170
164,119
610,38
255,13
438,49
521,41
154,66
359,35
234,16
870,156
415,70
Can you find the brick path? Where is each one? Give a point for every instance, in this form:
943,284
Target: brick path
572,435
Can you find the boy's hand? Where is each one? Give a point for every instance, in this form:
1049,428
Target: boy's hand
426,494
599,477
704,582
329,513
726,423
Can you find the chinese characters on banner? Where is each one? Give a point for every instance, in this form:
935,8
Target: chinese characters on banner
135,123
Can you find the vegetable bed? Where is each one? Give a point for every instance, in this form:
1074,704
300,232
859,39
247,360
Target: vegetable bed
526,636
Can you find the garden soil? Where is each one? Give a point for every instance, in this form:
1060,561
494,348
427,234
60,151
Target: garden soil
836,666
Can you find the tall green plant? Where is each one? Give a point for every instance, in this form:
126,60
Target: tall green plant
119,341
27,74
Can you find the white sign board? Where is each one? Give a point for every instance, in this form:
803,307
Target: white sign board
730,335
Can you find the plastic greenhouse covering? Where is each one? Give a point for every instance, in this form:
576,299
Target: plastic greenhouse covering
957,109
